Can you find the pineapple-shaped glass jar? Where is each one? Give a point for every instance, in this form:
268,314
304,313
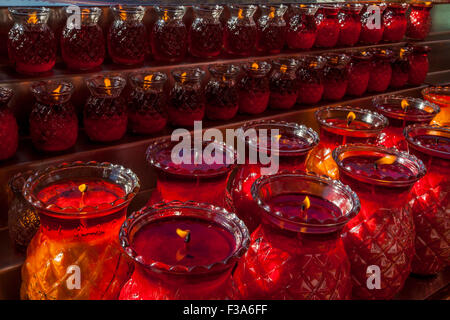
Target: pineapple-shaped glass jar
83,46
105,112
283,84
301,26
31,42
127,36
221,92
206,32
240,34
53,121
8,126
169,36
147,112
23,219
187,99
254,89
271,29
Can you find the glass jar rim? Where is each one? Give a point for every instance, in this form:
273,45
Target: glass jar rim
353,7
17,181
208,7
228,70
363,55
407,160
129,9
417,48
125,174
86,11
25,11
228,220
306,61
140,77
299,224
191,73
306,132
66,88
165,143
438,90
416,128
382,53
370,115
422,4
403,114
337,60
172,9
257,68
290,63
117,82
6,94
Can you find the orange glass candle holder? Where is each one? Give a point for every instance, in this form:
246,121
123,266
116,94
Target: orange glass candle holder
340,125
441,97
75,254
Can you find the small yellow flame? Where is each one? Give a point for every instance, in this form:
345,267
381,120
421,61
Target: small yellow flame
283,68
272,13
306,204
32,18
183,77
404,104
255,66
82,188
182,233
166,15
350,117
58,89
241,14
402,53
107,83
122,14
147,81
388,159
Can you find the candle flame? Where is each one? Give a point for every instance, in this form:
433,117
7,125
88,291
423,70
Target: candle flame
272,13
402,53
240,13
122,14
350,117
306,204
58,89
183,77
32,18
166,15
107,83
388,159
255,66
82,188
283,68
185,234
147,81
404,104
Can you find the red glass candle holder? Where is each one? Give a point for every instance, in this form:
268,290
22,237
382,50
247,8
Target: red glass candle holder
240,32
441,97
301,29
294,143
147,103
359,72
310,79
105,112
383,179
169,36
400,68
350,24
81,207
53,120
381,70
127,35
31,43
340,125
198,175
418,64
401,112
254,88
394,20
371,33
83,47
271,29
419,21
8,126
221,92
297,252
336,73
182,250
327,25
23,219
430,198
206,31
283,84
187,98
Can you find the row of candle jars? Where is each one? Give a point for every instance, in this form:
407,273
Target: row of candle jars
32,45
309,223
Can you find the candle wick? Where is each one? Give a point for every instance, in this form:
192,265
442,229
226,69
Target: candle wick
188,237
